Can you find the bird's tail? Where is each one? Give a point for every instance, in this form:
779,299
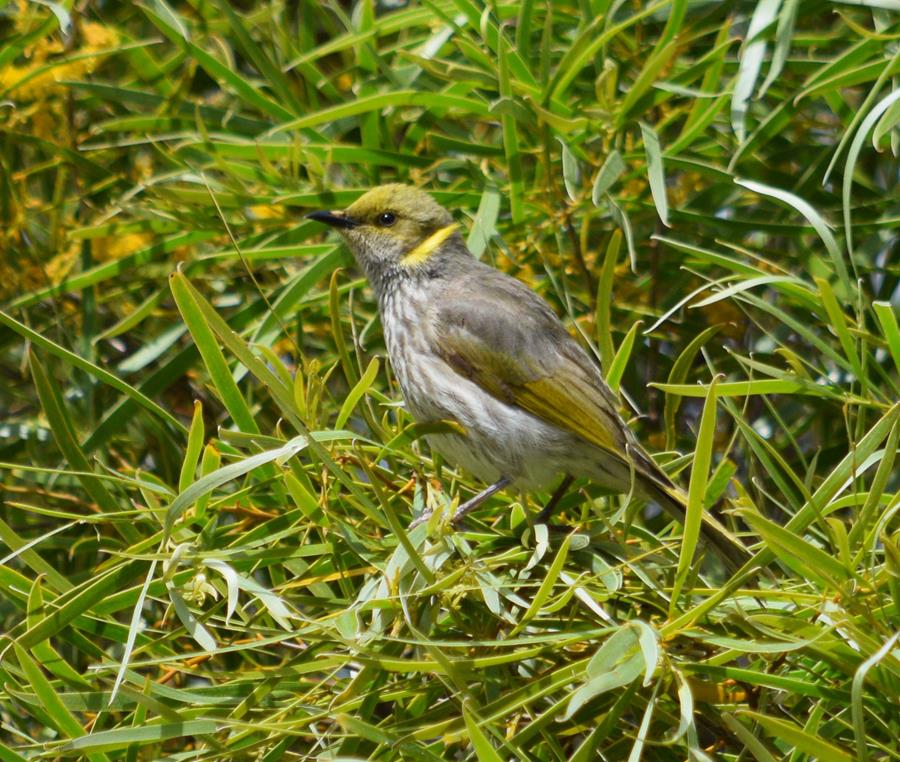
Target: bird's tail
713,533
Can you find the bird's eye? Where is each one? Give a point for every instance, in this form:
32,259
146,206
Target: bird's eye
386,219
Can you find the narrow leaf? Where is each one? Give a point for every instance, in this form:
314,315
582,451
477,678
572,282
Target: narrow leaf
795,736
751,58
620,361
356,393
656,173
612,170
212,356
693,519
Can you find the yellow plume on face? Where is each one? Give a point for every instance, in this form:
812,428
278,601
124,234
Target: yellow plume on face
424,250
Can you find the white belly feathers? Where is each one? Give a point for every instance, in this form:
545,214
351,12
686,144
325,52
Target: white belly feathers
501,440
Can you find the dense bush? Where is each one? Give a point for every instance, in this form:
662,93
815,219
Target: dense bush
206,474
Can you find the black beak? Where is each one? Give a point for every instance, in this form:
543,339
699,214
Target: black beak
335,219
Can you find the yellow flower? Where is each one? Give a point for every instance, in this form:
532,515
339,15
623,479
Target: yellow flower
46,121
58,268
111,247
34,82
97,36
266,211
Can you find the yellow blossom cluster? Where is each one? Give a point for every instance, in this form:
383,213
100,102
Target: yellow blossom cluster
33,91
18,276
112,247
39,77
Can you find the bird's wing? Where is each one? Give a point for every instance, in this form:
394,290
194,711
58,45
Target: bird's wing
505,338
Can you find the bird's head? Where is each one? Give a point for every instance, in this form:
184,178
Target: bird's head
393,228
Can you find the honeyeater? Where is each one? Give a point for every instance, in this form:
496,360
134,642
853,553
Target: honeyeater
475,346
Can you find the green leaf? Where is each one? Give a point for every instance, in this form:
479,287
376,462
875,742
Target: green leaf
785,385
655,172
605,298
296,289
811,562
150,733
649,643
617,367
8,755
272,73
484,751
337,331
815,219
546,587
680,370
212,356
133,629
225,474
356,393
750,741
796,737
379,101
841,329
617,662
612,169
194,447
62,719
656,62
194,626
751,58
571,171
693,519
585,46
173,28
88,367
45,654
622,220
72,604
205,318
856,701
887,317
510,132
484,228
64,434
784,35
853,154
641,738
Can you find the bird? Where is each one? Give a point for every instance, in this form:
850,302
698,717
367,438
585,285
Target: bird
473,345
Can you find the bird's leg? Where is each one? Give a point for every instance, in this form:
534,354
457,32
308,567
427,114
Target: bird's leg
425,515
472,503
420,519
466,507
544,516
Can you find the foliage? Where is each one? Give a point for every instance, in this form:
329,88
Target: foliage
205,472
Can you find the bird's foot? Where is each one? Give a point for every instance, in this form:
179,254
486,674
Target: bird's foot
420,519
472,503
466,508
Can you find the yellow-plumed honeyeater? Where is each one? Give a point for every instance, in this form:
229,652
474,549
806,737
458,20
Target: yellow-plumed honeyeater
473,345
